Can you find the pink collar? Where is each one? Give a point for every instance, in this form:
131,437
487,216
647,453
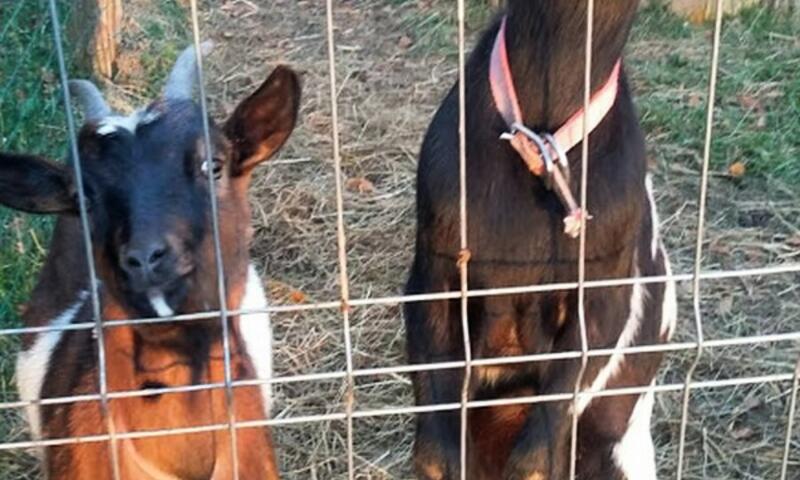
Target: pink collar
545,153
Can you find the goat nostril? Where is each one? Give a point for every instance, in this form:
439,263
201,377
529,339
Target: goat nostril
133,262
157,255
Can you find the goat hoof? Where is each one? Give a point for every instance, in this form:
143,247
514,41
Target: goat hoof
535,466
431,464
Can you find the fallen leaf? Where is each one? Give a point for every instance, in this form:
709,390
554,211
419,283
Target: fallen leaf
695,99
749,102
753,104
737,169
405,42
318,121
297,297
360,185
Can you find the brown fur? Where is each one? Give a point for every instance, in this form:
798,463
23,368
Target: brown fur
192,455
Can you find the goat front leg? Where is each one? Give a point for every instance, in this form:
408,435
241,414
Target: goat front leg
437,440
541,451
434,336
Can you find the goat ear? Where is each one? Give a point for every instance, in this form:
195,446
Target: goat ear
262,123
35,185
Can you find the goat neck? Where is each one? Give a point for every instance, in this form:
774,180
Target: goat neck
546,47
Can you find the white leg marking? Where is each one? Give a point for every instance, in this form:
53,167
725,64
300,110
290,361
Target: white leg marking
669,308
34,363
635,454
159,304
626,338
257,333
654,221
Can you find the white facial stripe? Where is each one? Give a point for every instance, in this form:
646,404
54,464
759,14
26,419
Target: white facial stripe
256,333
34,363
148,116
114,123
159,304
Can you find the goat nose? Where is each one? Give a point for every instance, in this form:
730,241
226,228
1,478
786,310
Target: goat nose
142,260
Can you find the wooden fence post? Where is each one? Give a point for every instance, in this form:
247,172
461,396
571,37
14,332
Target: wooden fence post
93,30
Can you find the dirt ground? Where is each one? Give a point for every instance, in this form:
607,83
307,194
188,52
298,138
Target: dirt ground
390,81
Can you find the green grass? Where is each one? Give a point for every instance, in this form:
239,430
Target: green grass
434,30
165,35
32,120
757,114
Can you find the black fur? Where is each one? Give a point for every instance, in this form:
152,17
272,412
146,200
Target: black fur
515,236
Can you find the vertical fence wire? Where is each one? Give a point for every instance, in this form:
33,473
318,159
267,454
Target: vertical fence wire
587,98
87,242
698,252
464,254
787,445
220,267
341,240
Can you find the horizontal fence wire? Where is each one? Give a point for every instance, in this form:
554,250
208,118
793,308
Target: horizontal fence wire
350,412
416,368
789,268
394,411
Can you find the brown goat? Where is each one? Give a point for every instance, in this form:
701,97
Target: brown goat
149,209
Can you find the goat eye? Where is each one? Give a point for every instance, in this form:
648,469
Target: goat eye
216,168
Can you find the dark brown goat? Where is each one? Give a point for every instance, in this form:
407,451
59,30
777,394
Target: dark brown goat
516,238
146,181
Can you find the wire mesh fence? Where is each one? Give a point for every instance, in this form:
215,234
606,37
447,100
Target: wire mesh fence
355,360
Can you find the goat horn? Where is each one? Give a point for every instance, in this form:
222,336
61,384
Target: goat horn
90,99
184,74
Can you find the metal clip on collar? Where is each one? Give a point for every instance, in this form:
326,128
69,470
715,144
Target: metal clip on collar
556,173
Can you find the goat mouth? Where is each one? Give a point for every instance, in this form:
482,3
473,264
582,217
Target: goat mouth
158,301
161,301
